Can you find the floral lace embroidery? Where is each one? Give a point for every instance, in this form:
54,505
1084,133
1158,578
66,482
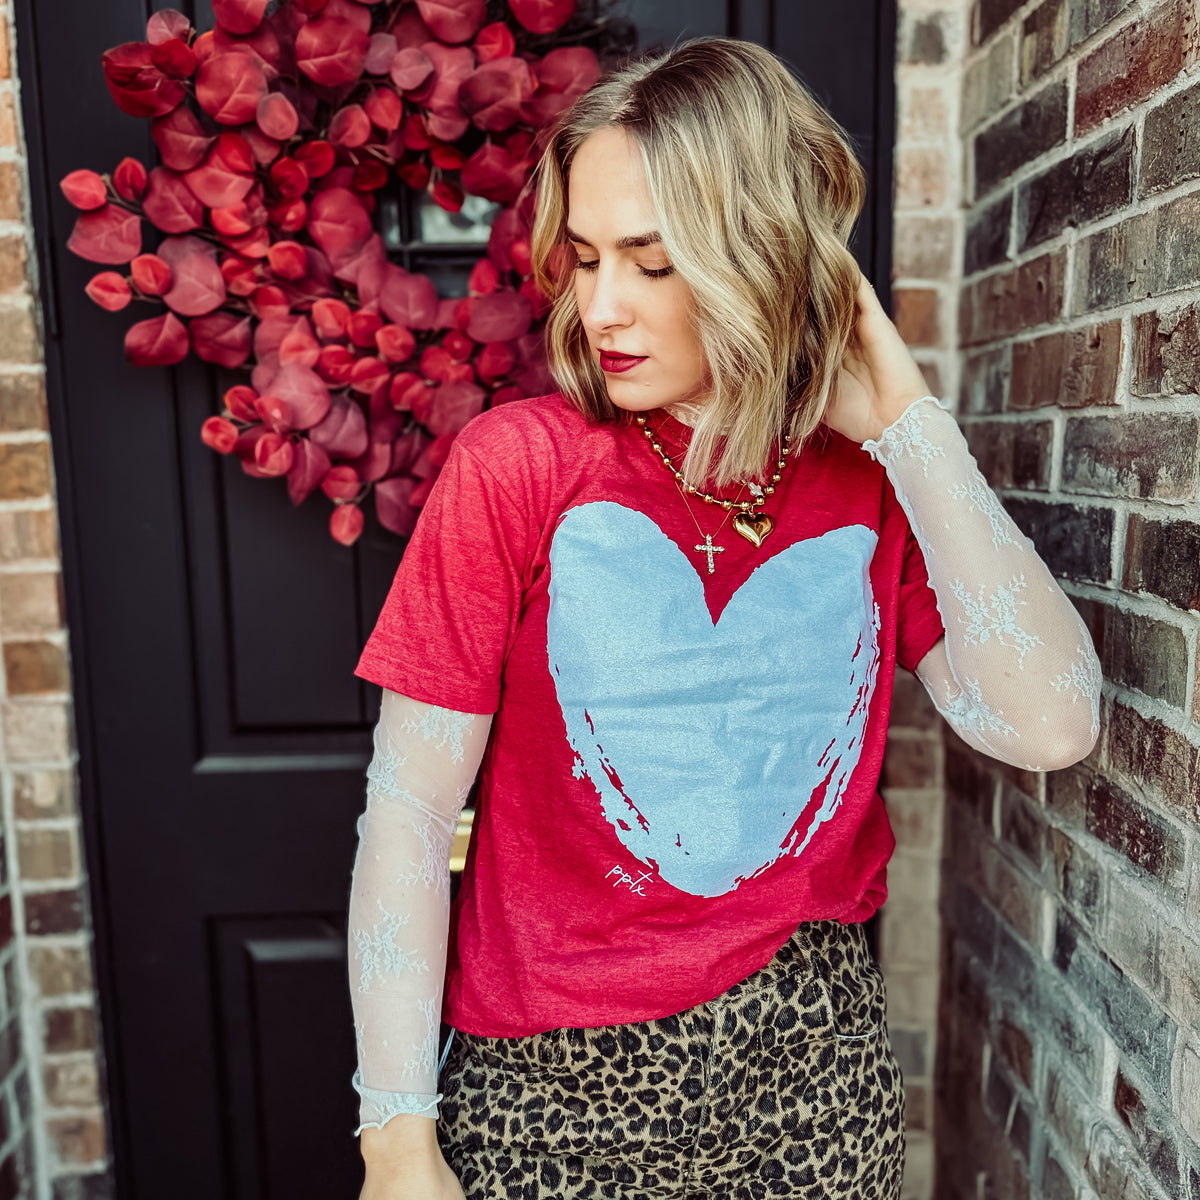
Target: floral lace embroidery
982,499
433,871
379,955
905,435
442,726
1085,677
996,615
968,711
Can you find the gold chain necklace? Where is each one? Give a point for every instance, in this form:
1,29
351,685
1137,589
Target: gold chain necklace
708,546
753,526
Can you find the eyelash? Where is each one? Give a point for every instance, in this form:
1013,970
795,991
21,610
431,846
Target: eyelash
580,265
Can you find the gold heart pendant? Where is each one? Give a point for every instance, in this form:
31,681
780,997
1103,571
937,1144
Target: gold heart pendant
754,527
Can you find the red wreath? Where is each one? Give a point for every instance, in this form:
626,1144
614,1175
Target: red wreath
276,129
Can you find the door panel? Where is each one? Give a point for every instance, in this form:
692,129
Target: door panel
214,631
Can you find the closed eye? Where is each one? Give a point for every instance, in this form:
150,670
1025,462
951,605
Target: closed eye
581,265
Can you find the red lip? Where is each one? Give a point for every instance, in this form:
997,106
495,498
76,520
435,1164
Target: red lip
619,362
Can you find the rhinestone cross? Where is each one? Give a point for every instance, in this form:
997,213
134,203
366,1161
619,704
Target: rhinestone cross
709,549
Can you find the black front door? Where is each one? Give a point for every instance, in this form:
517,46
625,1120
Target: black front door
214,631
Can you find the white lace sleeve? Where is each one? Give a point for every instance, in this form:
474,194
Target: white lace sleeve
1018,678
424,763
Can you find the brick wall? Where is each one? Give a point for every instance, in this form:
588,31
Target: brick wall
925,280
52,1131
1069,1055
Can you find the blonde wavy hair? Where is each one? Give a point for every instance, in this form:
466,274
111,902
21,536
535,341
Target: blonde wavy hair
756,190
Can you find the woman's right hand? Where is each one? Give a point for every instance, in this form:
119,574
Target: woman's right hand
404,1162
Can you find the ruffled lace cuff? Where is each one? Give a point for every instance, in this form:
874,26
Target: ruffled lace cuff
377,1108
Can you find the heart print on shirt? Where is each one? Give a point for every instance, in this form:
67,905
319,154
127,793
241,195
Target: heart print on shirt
716,749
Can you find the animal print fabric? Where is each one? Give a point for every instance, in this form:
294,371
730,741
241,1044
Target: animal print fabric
784,1086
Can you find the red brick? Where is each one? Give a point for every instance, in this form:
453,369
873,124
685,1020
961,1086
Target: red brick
77,1139
1166,351
987,83
28,533
46,854
1118,819
1074,542
1162,558
10,192
915,312
30,602
38,795
921,174
35,668
1016,897
1005,303
1137,61
909,762
989,15
1012,453
19,341
1072,369
1140,652
1170,149
1045,38
58,911
924,247
13,268
925,42
60,970
1148,455
987,236
1080,879
22,401
68,1029
6,920
1147,255
1151,754
1020,136
71,1083
985,380
24,470
1016,1048
923,115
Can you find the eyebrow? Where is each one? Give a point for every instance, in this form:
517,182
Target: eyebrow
653,238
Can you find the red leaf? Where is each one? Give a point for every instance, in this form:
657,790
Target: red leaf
343,432
499,317
241,277
239,402
492,96
375,463
522,256
275,414
300,347
273,454
448,124
109,290
239,16
453,20
269,301
458,345
263,45
85,190
410,68
492,174
449,158
494,41
170,204
197,285
392,506
229,85
289,178
129,179
304,392
219,434
447,194
403,389
287,260
495,361
317,158
506,228
339,223
409,29
415,174
408,300
368,374
346,523
334,365
232,221
265,149
449,406
416,136
180,139
542,16
151,274
385,109
350,127
395,343
309,466
330,318
362,327
136,84
233,151
341,483
370,175
506,395
331,51
569,70
484,278
174,58
222,338
276,116
381,49
158,342
452,64
108,235
214,184
166,24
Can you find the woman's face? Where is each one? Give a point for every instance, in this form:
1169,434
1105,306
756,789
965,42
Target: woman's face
634,307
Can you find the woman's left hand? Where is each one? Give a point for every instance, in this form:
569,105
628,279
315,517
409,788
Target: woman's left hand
878,379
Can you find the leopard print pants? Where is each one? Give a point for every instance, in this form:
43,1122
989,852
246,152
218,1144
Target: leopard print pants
784,1086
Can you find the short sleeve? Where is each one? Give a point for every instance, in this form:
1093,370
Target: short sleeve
454,606
919,622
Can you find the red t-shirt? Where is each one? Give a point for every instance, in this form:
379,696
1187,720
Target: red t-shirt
683,764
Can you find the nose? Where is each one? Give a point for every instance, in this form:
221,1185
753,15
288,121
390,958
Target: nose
602,304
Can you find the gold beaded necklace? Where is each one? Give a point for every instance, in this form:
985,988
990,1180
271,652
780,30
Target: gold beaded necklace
753,526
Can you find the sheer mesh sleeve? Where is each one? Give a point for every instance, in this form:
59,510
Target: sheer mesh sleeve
1018,677
424,763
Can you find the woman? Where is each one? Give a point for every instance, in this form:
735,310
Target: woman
663,608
